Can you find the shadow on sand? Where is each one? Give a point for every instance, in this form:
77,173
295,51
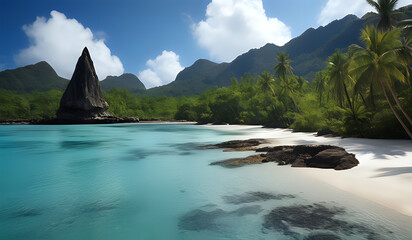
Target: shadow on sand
387,172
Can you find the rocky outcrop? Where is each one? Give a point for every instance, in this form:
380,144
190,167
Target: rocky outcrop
238,145
83,98
83,102
314,156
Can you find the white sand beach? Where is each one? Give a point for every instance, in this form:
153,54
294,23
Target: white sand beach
384,174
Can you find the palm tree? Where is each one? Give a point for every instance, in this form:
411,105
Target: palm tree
320,81
266,81
379,64
338,76
386,11
283,68
283,71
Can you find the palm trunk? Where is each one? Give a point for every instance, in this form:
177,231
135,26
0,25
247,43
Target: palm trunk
398,103
349,101
393,110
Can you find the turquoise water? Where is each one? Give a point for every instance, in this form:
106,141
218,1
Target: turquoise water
150,181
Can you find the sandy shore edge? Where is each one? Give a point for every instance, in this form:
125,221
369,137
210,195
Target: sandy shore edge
383,176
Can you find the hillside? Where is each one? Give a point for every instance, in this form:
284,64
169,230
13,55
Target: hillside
125,81
192,80
37,77
308,53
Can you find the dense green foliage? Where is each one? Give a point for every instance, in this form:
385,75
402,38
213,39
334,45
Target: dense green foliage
43,105
365,92
248,100
124,104
37,105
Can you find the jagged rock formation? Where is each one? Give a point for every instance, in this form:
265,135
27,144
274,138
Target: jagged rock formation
83,98
313,156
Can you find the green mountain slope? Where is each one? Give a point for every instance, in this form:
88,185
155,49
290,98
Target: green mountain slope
192,80
37,77
126,81
308,53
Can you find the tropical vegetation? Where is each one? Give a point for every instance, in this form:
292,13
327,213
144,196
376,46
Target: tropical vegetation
364,91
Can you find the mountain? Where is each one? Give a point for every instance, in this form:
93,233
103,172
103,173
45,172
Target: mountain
126,81
192,80
308,52
37,77
42,77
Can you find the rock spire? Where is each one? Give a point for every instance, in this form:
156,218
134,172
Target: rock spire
83,98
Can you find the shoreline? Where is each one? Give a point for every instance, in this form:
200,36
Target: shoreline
384,175
103,121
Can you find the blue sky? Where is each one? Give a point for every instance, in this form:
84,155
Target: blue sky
154,39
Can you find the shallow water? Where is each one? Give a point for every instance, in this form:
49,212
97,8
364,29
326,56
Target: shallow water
150,181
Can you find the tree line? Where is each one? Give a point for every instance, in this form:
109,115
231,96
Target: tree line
363,92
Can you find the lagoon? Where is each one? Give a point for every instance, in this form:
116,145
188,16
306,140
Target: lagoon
151,181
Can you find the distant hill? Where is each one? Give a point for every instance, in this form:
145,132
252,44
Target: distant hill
37,77
42,77
308,52
126,81
192,80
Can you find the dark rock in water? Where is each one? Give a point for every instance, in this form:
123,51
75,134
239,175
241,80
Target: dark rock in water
238,162
316,156
316,217
201,220
313,217
247,210
198,220
250,197
322,236
97,120
83,98
238,145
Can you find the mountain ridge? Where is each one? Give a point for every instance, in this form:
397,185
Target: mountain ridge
35,77
308,53
127,81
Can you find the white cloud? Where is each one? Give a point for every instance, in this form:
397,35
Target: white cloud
60,41
161,70
233,27
337,9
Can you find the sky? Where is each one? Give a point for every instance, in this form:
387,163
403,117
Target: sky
154,39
